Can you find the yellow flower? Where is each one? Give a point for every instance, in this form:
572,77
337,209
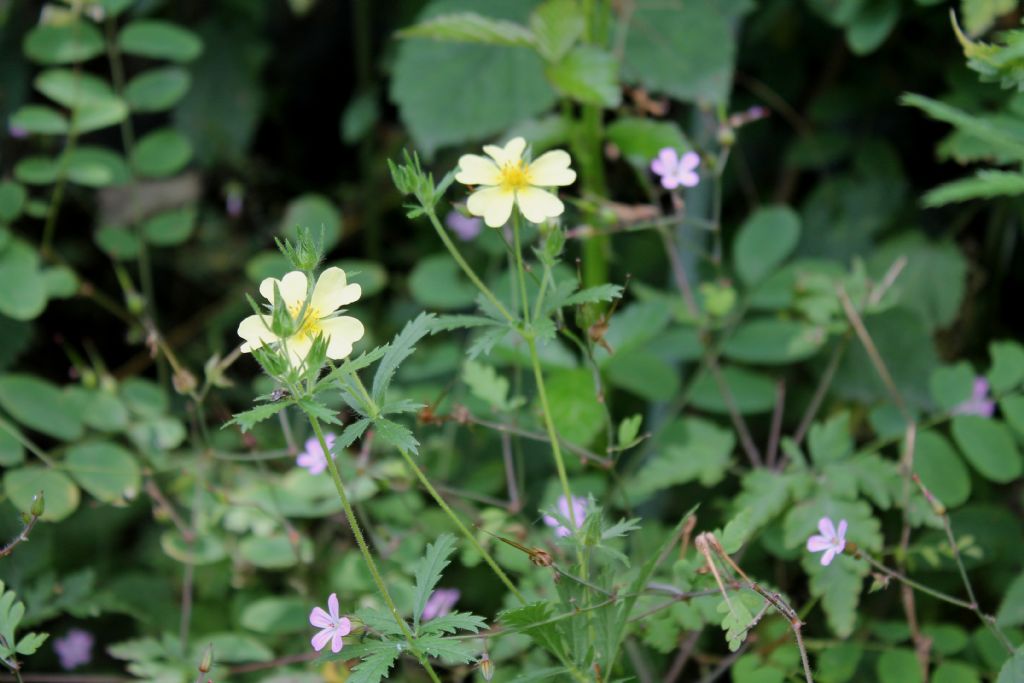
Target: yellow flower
330,293
507,179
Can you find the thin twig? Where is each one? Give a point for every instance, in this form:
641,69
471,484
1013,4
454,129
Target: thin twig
167,508
772,449
708,540
986,619
583,453
876,358
514,505
922,643
686,647
21,537
819,392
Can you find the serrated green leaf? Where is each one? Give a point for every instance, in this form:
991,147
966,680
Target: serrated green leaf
470,27
249,418
428,572
398,350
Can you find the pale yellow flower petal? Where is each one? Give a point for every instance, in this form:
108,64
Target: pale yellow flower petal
511,153
293,288
538,205
341,332
552,169
331,292
255,330
493,203
298,348
477,170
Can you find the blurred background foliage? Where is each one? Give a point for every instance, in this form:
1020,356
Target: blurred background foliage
220,125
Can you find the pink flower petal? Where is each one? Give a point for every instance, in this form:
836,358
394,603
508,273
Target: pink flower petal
332,606
841,532
319,618
345,626
337,643
826,559
320,639
669,182
690,161
816,544
826,527
689,179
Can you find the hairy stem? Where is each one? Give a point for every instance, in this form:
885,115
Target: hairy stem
357,533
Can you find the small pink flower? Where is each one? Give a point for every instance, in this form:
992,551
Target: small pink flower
16,132
675,170
831,541
440,603
979,403
74,649
579,511
313,458
465,227
332,626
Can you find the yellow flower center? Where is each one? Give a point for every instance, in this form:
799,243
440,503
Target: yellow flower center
515,176
310,325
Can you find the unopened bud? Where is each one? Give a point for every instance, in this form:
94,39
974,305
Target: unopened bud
38,505
184,381
135,302
486,667
206,663
541,558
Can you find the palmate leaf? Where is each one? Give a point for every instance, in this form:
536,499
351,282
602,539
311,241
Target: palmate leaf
452,622
529,619
985,130
398,350
470,27
983,185
318,410
428,572
376,666
379,620
448,649
396,435
247,419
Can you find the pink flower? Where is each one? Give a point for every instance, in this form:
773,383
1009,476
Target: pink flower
74,649
16,132
979,403
579,511
313,458
831,541
332,627
440,603
465,227
675,170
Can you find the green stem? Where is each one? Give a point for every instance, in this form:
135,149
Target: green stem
468,270
549,425
365,550
488,558
520,269
902,578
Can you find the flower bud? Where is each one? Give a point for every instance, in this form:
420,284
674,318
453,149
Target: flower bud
206,663
38,505
184,382
486,667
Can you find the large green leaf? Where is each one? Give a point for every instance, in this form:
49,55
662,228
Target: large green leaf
108,471
752,392
690,449
496,86
158,39
157,89
683,49
764,242
161,153
941,469
774,341
60,494
575,410
589,75
41,406
75,41
927,262
21,282
989,446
